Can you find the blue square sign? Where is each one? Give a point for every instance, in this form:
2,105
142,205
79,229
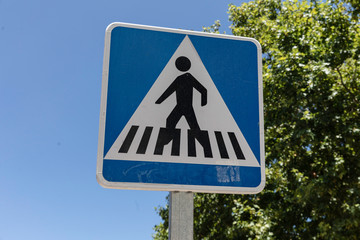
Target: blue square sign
181,111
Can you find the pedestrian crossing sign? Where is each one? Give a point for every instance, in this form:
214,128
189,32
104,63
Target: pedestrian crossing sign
180,111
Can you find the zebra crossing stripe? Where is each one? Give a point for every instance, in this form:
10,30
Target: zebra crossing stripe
167,136
236,146
221,145
128,140
144,141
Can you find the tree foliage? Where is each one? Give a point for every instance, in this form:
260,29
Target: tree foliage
311,70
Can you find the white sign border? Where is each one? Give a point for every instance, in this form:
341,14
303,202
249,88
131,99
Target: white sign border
173,187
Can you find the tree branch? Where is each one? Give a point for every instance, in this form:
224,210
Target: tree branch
346,88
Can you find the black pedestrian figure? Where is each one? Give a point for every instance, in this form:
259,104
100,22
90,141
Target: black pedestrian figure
183,86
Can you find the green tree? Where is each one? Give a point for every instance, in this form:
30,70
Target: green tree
311,71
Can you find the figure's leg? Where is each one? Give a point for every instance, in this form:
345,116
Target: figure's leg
191,119
167,135
203,138
173,118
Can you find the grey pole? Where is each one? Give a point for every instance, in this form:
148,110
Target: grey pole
181,217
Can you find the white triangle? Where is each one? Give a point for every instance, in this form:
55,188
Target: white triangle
214,116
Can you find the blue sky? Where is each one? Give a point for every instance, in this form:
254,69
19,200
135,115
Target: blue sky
51,55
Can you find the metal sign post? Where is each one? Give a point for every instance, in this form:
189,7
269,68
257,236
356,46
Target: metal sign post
181,216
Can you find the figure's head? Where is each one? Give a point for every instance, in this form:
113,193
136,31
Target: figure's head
183,63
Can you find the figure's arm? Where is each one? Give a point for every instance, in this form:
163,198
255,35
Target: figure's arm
167,92
198,86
